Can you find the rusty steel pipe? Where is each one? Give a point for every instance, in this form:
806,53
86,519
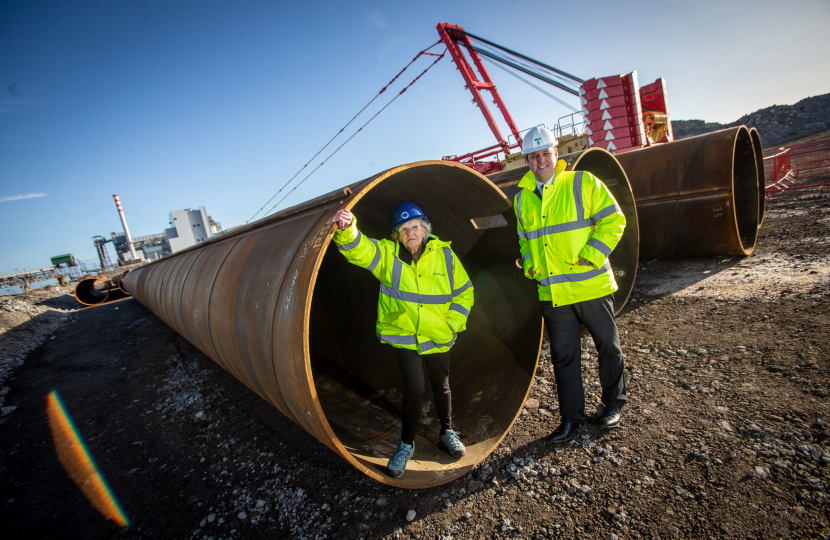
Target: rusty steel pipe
604,166
117,281
762,179
696,197
93,291
280,309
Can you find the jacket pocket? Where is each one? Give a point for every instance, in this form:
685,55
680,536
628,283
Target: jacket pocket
438,329
397,322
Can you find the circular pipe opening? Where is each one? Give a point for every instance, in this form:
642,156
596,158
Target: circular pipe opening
762,179
356,378
92,291
745,190
119,281
697,196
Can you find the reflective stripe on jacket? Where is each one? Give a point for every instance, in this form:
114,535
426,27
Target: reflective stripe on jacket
422,306
573,218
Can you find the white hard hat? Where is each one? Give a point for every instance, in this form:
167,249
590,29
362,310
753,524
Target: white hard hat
538,138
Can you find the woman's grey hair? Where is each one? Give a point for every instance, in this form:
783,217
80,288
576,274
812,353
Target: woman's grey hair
396,234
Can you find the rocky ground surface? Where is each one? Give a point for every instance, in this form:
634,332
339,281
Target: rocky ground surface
725,435
778,124
25,322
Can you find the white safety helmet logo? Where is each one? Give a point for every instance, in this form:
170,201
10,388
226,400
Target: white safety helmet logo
404,215
538,138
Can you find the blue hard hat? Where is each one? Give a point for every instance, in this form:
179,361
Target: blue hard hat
404,212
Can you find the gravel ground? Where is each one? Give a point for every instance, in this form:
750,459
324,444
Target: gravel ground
725,435
25,322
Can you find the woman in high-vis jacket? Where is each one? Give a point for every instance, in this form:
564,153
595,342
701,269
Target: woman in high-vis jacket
425,299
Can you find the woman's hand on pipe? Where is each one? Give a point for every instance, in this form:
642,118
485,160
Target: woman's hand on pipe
343,218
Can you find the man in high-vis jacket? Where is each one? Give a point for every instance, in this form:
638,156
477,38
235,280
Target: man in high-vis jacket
568,224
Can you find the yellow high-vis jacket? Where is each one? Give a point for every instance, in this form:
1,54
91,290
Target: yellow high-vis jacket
573,218
423,305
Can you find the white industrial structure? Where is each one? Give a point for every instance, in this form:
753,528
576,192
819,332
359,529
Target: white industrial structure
189,227
152,246
126,230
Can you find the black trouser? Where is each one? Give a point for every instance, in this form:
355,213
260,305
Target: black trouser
416,369
564,328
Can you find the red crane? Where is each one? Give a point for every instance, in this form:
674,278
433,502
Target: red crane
617,114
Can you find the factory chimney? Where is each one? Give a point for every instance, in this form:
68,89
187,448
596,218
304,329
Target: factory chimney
126,230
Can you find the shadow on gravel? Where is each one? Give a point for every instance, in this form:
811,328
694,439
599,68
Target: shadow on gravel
661,278
64,301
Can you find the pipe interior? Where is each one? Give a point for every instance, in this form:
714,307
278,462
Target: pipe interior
762,180
92,291
745,192
493,361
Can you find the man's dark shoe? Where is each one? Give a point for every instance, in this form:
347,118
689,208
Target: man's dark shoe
565,432
611,417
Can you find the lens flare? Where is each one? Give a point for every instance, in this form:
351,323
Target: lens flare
79,463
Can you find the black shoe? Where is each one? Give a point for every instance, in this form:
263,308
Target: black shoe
565,432
611,417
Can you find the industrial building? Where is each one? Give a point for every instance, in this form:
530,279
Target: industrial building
190,227
152,246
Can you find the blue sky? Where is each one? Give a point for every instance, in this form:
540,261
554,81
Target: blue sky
180,104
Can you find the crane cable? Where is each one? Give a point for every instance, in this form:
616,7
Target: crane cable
493,62
519,65
356,132
344,127
529,59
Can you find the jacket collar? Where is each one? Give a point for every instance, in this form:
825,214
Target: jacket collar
528,181
406,257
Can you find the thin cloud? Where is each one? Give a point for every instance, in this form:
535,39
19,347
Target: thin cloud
377,19
11,105
19,197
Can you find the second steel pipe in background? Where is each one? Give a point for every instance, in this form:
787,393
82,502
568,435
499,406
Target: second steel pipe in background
604,166
697,196
759,165
93,291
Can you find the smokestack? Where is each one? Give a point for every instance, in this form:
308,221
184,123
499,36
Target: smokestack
126,230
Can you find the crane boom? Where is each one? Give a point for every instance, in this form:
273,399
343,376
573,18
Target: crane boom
617,114
454,37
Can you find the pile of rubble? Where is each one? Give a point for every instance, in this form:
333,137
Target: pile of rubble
778,124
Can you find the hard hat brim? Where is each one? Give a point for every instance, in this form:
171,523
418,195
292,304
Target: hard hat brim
542,147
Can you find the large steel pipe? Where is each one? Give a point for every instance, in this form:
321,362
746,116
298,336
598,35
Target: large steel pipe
92,291
697,196
117,282
604,166
279,308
